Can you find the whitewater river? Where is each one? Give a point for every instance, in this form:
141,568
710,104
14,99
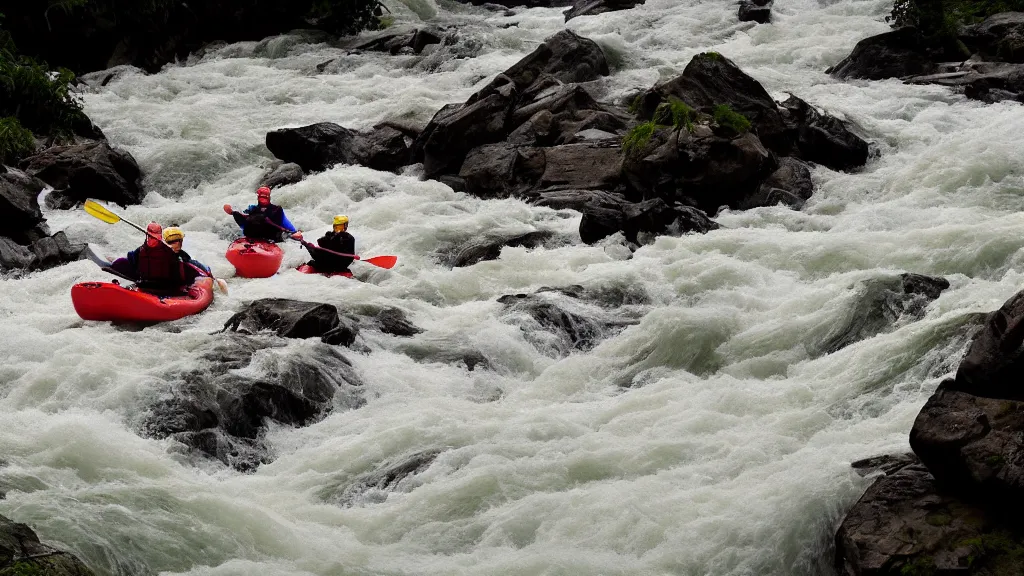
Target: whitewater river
714,437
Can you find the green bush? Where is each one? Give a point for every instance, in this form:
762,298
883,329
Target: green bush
15,141
727,118
945,16
636,140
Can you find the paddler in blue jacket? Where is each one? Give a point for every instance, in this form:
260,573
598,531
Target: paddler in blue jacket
263,220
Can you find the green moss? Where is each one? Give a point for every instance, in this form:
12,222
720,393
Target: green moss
384,22
675,113
22,569
995,460
636,140
938,518
713,55
15,141
920,566
727,118
634,106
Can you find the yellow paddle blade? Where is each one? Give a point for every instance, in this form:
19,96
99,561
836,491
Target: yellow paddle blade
100,212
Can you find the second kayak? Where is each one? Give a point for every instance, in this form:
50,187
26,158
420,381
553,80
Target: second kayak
255,258
307,269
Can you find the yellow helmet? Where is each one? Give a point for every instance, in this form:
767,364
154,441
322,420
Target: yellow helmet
173,233
341,220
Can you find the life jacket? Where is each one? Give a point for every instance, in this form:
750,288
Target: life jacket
339,242
256,225
160,266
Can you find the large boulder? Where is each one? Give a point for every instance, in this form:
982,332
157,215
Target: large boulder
711,79
397,40
999,37
896,54
294,319
46,252
314,148
83,171
988,82
759,11
823,139
215,410
281,175
607,215
22,554
907,523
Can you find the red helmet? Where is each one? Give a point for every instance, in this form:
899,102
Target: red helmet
263,192
153,238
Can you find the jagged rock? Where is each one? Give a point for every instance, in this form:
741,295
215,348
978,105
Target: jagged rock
594,7
294,319
906,523
374,487
503,4
999,37
286,173
790,184
602,219
19,206
486,118
759,11
881,304
224,414
489,247
394,41
711,79
385,148
823,139
699,169
83,171
389,320
557,322
22,554
986,81
994,361
41,254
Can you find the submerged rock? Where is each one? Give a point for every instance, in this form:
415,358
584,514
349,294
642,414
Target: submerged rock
22,554
374,487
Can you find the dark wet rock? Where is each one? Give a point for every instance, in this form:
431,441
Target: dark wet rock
700,168
22,554
602,218
501,171
902,52
989,82
886,464
759,11
282,175
224,414
456,183
384,148
459,354
41,254
487,117
293,319
489,247
907,523
881,304
558,321
19,205
388,320
504,4
823,139
999,37
790,184
315,148
395,41
594,7
83,171
994,361
373,487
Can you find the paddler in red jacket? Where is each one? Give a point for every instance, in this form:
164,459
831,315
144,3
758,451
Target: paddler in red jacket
155,265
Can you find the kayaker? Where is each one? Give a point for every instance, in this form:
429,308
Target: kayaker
253,220
154,264
338,240
174,238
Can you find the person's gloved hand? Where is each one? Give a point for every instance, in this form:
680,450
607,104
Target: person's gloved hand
297,235
228,210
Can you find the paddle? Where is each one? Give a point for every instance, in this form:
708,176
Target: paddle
109,217
386,262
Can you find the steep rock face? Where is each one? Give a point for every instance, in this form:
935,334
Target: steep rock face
26,243
82,171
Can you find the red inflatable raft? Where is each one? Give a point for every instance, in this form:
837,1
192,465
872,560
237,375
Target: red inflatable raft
307,269
106,301
255,258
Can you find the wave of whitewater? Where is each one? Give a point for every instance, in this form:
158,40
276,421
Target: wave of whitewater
727,452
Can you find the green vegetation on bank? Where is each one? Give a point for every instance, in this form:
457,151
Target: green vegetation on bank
33,100
945,16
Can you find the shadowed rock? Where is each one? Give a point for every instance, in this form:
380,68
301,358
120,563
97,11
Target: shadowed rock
294,319
22,554
82,171
375,486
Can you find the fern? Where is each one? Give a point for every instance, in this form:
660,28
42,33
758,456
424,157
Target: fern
15,141
636,140
727,118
